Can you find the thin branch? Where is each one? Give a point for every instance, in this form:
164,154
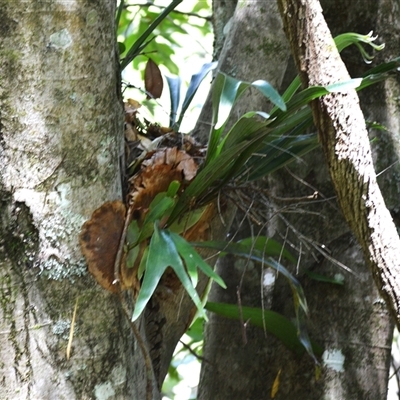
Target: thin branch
189,14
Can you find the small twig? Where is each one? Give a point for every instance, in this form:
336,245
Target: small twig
242,323
219,209
191,351
387,168
190,14
33,327
296,199
71,331
118,257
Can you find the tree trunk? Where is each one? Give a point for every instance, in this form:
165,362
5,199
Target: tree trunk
61,144
348,320
232,352
345,142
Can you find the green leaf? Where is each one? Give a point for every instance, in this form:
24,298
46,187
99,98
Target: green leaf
274,323
159,251
119,13
131,256
344,86
173,188
132,237
195,332
174,84
278,153
193,260
268,246
137,46
208,181
194,84
231,90
187,221
244,129
246,251
162,254
121,47
143,263
159,208
270,93
336,280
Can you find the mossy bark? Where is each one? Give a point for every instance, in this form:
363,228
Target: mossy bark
61,143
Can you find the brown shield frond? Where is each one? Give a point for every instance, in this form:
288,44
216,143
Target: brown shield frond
99,239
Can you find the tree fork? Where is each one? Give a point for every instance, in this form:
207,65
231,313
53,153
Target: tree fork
344,139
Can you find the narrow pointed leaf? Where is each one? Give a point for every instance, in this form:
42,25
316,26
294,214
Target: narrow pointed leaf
336,280
344,85
242,130
230,92
246,251
175,262
268,246
193,260
270,93
132,237
162,254
159,255
191,218
274,323
174,85
137,46
194,84
160,210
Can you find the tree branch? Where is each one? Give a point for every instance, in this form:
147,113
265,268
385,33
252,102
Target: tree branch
345,142
189,14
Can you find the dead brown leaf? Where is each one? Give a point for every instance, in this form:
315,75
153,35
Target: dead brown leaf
99,240
153,81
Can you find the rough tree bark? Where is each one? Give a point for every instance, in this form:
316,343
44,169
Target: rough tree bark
344,139
60,147
255,35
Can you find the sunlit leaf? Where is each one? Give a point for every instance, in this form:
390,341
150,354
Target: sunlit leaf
231,90
270,93
344,86
174,84
195,332
136,48
173,188
194,84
